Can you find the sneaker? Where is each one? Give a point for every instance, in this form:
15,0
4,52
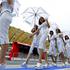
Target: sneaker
63,64
38,65
24,64
66,63
54,64
45,65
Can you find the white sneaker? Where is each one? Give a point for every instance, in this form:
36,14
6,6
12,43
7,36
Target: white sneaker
38,64
24,64
66,63
46,65
62,64
54,64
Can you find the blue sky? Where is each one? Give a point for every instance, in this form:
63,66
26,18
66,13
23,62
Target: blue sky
59,11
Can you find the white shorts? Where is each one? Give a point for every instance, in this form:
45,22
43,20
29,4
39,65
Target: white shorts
67,52
52,50
60,47
42,42
5,20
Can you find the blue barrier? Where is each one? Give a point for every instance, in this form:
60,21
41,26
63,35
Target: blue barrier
43,68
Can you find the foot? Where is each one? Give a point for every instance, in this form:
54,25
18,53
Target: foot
38,65
45,65
54,64
63,64
66,63
24,64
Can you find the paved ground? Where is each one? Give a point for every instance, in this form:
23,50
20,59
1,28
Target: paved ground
16,63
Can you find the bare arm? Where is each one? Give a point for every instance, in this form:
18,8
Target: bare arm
34,33
63,41
48,38
48,23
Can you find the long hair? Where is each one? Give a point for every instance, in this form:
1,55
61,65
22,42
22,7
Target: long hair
51,32
66,37
34,28
48,24
58,30
41,20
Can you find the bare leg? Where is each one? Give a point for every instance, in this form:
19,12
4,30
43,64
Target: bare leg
3,53
29,54
52,57
55,59
68,60
0,54
40,55
46,58
62,57
28,57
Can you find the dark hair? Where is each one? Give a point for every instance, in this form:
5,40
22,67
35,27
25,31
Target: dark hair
41,20
58,30
36,26
51,32
66,37
1,4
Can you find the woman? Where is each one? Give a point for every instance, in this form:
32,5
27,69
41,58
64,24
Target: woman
67,48
35,43
52,48
60,45
43,34
5,20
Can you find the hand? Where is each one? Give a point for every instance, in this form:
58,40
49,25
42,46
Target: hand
31,36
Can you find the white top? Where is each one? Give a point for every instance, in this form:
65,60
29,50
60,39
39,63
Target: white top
67,42
35,41
52,39
43,28
58,36
59,39
10,8
6,7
